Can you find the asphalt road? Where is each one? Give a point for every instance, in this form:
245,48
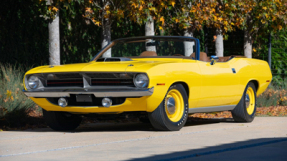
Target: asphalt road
263,139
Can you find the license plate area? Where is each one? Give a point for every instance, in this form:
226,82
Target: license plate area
84,98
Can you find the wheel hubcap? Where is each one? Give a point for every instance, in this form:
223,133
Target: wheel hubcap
170,104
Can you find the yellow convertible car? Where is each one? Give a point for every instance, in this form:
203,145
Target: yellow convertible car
164,77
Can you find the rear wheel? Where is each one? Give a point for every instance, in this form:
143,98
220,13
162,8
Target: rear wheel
246,108
172,113
61,121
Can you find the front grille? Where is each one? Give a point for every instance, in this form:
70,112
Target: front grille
91,79
65,83
112,82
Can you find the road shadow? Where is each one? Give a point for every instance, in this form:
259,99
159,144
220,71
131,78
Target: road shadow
139,126
125,125
266,149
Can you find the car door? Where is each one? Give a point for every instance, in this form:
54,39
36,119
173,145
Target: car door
219,84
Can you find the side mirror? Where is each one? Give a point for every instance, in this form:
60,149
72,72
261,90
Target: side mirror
213,59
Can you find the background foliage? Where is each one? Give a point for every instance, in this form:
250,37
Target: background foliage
279,54
24,35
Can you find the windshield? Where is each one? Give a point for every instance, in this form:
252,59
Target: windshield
151,47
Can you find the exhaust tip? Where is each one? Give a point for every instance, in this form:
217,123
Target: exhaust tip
63,102
107,102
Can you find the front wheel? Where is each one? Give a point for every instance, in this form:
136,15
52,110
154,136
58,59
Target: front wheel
246,108
61,121
172,113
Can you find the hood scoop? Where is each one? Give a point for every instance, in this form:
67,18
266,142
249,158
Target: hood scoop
113,59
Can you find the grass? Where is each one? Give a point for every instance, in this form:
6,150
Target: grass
14,105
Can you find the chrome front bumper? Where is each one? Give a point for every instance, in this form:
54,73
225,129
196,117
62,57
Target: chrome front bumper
97,92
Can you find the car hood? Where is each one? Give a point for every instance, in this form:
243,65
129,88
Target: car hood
125,66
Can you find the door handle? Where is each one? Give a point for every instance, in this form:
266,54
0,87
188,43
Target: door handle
233,70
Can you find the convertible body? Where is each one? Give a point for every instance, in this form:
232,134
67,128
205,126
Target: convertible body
209,85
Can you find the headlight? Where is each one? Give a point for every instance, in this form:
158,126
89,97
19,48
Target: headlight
33,82
141,80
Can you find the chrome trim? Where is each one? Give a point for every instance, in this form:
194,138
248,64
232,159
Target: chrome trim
211,109
98,92
86,81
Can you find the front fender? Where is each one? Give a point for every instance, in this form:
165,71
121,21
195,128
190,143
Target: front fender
164,75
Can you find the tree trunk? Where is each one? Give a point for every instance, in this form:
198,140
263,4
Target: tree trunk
54,41
219,43
106,36
149,31
188,46
106,33
247,44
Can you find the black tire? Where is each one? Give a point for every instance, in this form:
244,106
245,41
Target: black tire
159,118
61,121
239,113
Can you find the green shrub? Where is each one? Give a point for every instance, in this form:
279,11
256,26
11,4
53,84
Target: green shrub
278,54
13,103
273,96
